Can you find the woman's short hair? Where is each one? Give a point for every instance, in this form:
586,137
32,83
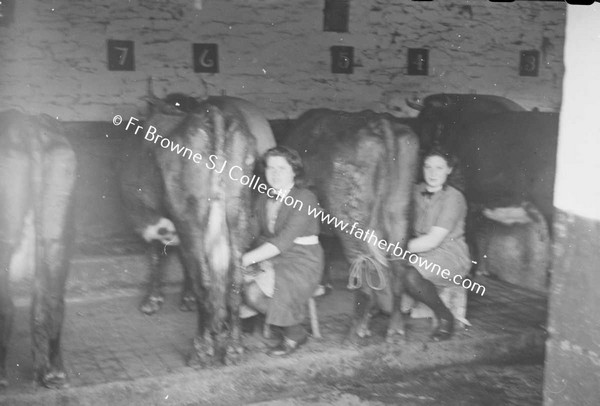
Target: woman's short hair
451,160
293,158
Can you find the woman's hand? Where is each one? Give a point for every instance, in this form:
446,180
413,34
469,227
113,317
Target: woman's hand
262,253
429,241
246,260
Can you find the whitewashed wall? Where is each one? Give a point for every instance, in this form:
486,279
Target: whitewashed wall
275,53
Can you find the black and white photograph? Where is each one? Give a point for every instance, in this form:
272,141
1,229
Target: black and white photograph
303,203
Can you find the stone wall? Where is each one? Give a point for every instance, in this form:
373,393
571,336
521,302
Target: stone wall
53,57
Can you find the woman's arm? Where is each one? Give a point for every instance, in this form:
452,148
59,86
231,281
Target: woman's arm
453,211
261,253
428,241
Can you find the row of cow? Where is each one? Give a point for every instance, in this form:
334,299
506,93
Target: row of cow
362,166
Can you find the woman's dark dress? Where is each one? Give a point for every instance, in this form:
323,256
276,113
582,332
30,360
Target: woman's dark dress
446,208
298,268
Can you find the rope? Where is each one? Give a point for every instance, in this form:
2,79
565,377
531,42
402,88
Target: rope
361,265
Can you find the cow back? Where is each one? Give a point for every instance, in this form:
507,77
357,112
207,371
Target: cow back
362,167
510,158
251,116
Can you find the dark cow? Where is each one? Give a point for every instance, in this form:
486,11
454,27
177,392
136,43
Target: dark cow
508,155
37,175
363,166
438,111
143,197
210,208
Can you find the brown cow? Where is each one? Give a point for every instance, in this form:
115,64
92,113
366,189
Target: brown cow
37,174
363,167
143,196
209,204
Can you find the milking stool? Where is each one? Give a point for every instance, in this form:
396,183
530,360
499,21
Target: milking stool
314,320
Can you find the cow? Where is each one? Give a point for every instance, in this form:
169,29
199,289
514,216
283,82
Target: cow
142,194
37,176
442,109
209,202
507,154
363,167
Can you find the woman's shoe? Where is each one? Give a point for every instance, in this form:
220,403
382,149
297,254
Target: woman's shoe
444,330
286,347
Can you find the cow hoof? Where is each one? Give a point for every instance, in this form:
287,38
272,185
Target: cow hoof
363,332
203,354
55,380
351,340
234,355
151,304
395,336
188,303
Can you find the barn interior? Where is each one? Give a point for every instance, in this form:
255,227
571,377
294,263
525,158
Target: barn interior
85,63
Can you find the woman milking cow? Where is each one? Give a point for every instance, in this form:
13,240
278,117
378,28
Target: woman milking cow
287,252
290,257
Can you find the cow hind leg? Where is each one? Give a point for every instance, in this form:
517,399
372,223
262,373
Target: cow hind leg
6,310
53,186
396,329
188,297
363,303
154,298
205,351
14,199
47,317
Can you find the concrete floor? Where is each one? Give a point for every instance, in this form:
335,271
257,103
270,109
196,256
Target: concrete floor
116,355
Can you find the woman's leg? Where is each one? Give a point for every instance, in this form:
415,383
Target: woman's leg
425,291
296,333
255,298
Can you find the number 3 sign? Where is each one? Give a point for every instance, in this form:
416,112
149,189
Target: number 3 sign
206,58
120,55
530,63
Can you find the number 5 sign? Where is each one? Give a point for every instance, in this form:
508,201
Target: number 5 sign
206,58
120,55
342,59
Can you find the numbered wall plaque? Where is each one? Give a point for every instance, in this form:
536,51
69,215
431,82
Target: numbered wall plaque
336,15
418,61
342,59
530,63
206,58
120,55
6,12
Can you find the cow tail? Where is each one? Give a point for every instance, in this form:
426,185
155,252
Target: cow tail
37,184
403,157
217,238
385,175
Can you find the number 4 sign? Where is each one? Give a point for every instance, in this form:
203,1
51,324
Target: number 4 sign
120,55
206,58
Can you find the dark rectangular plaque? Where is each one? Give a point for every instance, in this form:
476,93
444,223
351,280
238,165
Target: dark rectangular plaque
418,61
7,8
336,15
342,59
530,63
206,58
120,55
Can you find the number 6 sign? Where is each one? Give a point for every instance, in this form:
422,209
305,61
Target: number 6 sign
120,55
206,58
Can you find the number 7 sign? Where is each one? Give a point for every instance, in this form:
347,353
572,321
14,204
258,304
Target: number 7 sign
120,55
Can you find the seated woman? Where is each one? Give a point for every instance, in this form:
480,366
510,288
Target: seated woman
439,228
288,250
